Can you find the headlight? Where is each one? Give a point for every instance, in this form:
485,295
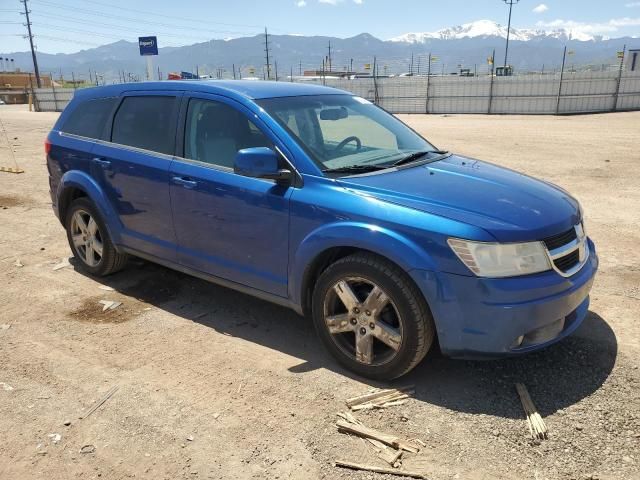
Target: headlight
501,259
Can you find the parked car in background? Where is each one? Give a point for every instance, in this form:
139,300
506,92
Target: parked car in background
320,201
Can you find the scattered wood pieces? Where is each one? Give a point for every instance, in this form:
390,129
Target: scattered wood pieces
109,305
11,170
18,263
63,264
363,431
537,427
366,432
99,403
380,398
370,468
106,288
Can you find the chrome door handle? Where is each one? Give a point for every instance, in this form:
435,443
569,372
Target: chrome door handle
185,182
102,162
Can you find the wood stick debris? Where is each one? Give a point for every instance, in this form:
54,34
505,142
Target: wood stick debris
370,468
363,431
380,398
537,427
106,397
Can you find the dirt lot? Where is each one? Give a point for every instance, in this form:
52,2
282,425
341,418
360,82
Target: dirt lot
216,384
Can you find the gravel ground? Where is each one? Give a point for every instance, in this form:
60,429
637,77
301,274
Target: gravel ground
216,384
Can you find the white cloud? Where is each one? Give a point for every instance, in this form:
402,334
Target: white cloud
540,8
600,28
632,4
301,3
358,2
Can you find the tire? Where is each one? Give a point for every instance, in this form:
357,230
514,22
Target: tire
400,316
90,242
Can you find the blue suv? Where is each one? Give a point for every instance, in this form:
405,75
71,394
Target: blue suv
320,201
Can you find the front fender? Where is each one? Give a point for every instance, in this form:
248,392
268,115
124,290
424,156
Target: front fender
382,241
82,181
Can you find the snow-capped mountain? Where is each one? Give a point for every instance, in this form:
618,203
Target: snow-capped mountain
489,28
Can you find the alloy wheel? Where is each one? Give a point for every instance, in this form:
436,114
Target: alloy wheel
363,321
86,238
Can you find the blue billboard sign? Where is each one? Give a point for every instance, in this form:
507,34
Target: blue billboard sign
148,45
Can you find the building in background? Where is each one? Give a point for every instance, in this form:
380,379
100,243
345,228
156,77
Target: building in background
15,86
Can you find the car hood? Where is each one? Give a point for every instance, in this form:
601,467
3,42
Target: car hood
509,205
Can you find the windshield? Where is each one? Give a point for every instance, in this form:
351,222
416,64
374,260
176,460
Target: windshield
343,132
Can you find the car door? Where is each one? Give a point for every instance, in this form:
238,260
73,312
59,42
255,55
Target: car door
133,169
227,225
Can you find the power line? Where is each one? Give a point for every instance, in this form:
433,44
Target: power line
172,17
33,51
86,11
101,34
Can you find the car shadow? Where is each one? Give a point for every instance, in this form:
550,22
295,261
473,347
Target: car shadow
563,374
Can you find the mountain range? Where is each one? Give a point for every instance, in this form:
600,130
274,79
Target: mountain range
488,28
467,45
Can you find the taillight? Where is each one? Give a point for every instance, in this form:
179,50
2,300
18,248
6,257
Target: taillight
47,146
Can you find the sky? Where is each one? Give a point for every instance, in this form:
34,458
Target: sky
66,26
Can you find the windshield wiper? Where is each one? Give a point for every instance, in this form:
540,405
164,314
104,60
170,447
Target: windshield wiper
355,169
412,157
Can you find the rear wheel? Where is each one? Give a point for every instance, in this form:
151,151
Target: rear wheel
89,239
372,317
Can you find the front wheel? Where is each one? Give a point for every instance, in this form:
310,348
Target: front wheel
372,317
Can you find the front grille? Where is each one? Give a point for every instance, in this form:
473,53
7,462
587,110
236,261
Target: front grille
561,239
568,261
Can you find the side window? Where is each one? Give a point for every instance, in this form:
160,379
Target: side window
146,122
89,118
215,131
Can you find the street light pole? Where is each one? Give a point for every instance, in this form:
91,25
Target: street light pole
506,50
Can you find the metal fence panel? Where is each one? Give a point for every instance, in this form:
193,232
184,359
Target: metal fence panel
52,99
581,92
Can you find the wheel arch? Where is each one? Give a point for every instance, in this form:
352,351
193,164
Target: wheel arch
75,184
330,243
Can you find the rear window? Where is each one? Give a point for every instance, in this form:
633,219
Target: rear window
88,118
146,122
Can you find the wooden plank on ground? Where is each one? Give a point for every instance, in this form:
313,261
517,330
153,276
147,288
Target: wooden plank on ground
387,471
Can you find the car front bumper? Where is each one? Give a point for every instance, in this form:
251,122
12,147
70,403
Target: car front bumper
485,317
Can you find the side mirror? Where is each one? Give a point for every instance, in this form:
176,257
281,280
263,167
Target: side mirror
261,162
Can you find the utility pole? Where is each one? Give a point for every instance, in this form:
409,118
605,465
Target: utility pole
617,94
329,57
411,66
351,65
266,50
276,66
506,50
300,68
564,59
33,51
